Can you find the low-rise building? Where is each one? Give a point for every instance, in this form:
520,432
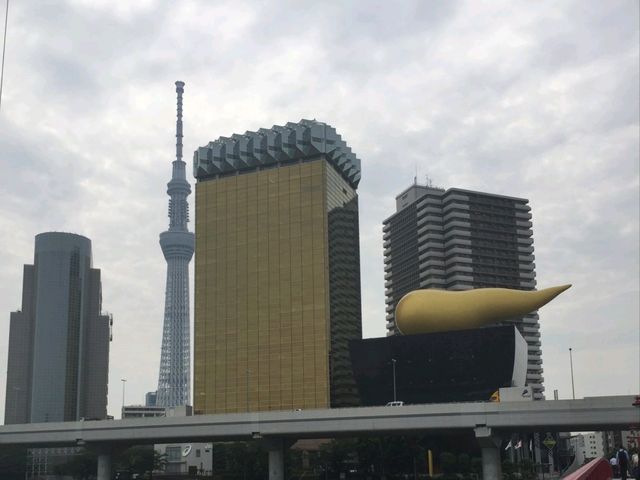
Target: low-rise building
142,411
588,446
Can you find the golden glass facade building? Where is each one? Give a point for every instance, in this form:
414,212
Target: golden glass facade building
277,276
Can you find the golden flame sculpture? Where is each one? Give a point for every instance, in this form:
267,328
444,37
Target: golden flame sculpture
430,311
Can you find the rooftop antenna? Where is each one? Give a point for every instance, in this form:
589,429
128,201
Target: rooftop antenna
415,177
4,48
429,182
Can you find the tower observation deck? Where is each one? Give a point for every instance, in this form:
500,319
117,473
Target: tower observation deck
177,246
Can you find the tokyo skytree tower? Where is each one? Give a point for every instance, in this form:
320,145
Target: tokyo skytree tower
177,246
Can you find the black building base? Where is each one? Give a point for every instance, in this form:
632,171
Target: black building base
462,366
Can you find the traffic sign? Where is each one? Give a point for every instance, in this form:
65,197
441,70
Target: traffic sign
549,441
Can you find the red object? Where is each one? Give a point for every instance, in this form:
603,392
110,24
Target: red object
598,469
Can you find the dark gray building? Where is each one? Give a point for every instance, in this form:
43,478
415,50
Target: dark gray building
457,240
58,361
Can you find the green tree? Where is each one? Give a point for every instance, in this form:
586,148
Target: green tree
509,470
463,463
448,463
527,470
80,467
138,459
240,461
334,455
13,462
159,460
476,466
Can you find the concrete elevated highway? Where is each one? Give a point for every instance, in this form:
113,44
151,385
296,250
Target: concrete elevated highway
489,421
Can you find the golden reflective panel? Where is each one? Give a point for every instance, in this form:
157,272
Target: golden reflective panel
430,311
261,265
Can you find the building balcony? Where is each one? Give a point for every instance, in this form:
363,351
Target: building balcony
437,262
524,223
526,267
453,242
430,244
453,214
428,204
525,241
434,219
534,377
430,274
459,277
432,256
526,216
459,249
433,283
455,206
457,228
451,261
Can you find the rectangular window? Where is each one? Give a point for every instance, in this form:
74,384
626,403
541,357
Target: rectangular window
173,454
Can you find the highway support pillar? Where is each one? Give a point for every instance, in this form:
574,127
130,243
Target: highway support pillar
276,448
104,463
490,445
276,464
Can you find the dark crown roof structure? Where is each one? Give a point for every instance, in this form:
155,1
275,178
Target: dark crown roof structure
276,145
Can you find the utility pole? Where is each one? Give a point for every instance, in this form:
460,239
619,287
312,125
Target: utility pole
573,390
124,381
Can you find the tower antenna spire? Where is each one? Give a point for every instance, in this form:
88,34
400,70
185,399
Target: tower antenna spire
179,91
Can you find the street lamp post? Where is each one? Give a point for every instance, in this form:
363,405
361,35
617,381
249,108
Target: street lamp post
124,381
393,363
573,390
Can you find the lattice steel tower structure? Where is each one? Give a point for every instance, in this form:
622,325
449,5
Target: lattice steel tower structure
177,246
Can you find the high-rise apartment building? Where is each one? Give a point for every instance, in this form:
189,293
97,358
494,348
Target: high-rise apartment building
174,378
277,276
58,362
457,240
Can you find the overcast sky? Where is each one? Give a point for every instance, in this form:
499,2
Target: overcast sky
530,99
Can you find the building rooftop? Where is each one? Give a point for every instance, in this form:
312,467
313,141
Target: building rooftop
274,146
